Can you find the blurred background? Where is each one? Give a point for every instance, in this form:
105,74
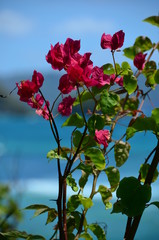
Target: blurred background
27,30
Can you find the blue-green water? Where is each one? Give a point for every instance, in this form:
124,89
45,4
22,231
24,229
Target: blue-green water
24,143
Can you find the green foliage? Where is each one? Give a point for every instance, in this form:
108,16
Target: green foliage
85,96
133,196
113,175
108,102
95,122
17,234
144,168
142,124
72,183
130,83
83,180
10,215
121,152
40,209
126,69
74,120
52,154
96,156
106,196
86,236
75,200
108,69
154,20
141,44
97,231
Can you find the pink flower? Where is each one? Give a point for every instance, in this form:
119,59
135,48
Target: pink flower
112,42
38,79
44,111
65,107
65,86
26,89
36,102
71,46
56,57
119,81
100,78
139,60
102,137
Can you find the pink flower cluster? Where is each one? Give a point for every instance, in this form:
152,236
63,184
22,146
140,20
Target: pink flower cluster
28,92
79,72
112,42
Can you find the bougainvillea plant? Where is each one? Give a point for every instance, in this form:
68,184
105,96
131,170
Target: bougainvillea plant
114,93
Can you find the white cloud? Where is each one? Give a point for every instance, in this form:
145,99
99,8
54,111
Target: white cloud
84,25
14,24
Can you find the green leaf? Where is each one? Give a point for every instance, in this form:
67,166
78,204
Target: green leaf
18,234
105,194
113,175
85,95
130,83
52,214
155,115
118,68
144,43
88,141
142,124
126,69
86,236
52,154
156,77
39,209
96,157
121,152
154,203
71,182
133,196
97,231
73,203
149,69
131,52
85,168
95,122
117,207
83,180
144,168
86,202
108,69
108,102
154,20
74,120
77,135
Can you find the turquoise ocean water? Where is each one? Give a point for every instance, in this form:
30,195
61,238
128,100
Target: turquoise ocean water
24,143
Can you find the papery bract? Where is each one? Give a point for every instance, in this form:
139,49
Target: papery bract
65,107
44,112
100,78
65,85
102,137
36,102
26,89
56,57
38,79
139,60
112,42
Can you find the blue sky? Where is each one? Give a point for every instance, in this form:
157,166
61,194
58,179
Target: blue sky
28,28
